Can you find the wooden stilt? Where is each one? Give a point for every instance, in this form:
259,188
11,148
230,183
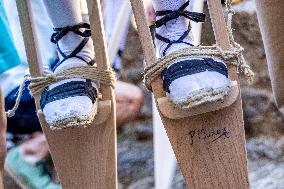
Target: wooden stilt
84,158
271,23
210,147
165,160
3,147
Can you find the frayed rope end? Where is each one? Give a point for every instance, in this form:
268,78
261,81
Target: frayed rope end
249,75
10,113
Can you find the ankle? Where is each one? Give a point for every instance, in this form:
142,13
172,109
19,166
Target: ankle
161,46
70,63
87,54
172,30
74,46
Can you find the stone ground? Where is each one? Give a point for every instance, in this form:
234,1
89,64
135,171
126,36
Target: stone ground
263,123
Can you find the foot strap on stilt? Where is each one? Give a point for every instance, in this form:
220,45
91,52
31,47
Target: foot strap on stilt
189,67
66,90
234,56
38,84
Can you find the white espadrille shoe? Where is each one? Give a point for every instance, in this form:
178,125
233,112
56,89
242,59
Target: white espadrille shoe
70,102
191,81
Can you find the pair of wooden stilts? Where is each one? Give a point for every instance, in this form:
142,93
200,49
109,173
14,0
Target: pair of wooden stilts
209,142
86,157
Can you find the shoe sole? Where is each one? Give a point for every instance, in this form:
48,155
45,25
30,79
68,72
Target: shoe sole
75,121
202,97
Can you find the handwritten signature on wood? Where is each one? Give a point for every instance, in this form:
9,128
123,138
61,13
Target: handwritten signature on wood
211,134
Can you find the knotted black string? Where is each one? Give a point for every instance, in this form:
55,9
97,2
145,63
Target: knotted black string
174,14
171,42
61,32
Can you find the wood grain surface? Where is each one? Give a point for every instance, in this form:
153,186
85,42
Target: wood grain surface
210,147
84,158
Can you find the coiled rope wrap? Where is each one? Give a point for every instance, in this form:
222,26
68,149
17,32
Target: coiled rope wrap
105,77
38,84
233,56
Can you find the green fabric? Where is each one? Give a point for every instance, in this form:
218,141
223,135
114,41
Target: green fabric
31,176
9,57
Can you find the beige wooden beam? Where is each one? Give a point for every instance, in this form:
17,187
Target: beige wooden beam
84,158
209,147
271,22
3,147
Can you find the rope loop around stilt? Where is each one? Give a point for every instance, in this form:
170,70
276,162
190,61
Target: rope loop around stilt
38,84
233,56
105,77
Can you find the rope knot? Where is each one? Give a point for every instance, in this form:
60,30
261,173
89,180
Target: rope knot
60,32
174,14
51,78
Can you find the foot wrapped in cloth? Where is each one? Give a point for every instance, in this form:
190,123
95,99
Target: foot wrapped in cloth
192,81
71,102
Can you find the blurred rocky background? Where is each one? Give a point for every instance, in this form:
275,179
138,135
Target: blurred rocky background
263,122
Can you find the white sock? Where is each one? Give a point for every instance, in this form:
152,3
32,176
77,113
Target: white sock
67,13
187,86
174,28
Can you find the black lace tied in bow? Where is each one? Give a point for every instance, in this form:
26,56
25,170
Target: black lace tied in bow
61,32
174,14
